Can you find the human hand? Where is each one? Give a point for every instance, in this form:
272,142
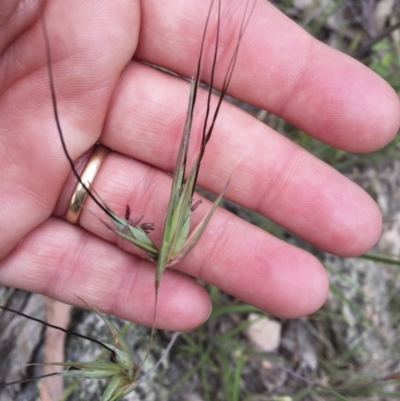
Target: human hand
139,112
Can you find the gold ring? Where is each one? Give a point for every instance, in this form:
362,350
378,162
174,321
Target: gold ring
88,175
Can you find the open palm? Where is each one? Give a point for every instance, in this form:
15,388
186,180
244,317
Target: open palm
104,95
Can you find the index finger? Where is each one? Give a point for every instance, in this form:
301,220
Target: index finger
281,69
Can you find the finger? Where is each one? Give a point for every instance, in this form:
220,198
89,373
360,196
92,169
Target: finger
280,68
103,276
89,50
275,177
239,258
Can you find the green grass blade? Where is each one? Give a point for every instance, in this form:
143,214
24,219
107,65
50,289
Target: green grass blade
198,231
132,233
119,340
181,216
89,370
114,389
170,223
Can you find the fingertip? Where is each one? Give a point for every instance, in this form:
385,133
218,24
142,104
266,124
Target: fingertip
362,233
362,112
390,116
377,119
348,105
303,291
184,306
353,223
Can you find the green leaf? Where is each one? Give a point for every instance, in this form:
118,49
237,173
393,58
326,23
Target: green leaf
121,347
198,231
89,370
114,389
132,233
176,205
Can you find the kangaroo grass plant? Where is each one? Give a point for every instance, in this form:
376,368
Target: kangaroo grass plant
177,240
120,368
